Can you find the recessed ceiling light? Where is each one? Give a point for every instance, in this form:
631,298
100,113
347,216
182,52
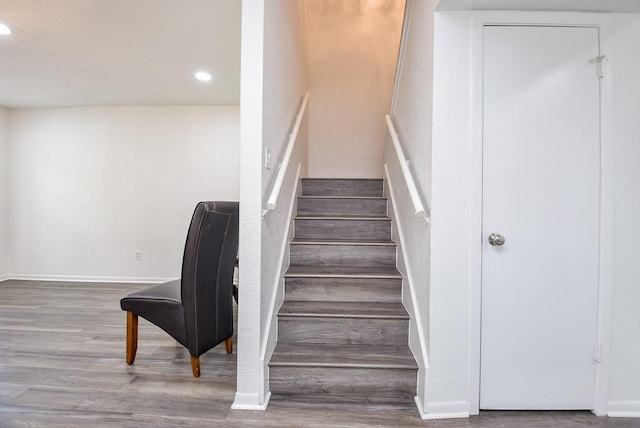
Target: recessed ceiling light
4,30
203,75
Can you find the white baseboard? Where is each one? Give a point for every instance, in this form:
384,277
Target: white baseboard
74,278
444,410
4,277
624,409
250,401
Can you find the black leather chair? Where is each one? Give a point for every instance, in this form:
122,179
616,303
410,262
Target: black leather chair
197,309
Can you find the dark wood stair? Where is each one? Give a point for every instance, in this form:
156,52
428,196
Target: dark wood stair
342,330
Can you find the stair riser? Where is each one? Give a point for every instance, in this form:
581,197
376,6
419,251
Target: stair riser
342,187
342,255
343,229
357,331
343,289
341,207
343,382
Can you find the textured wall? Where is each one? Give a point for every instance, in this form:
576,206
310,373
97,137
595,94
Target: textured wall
413,98
250,392
274,81
285,84
353,50
5,259
447,381
624,384
412,116
91,186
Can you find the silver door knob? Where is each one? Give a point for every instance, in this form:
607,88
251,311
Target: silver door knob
496,239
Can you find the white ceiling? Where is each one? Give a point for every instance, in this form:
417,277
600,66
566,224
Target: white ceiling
119,52
621,6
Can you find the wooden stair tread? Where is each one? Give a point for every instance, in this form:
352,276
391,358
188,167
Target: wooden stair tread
354,403
307,179
352,356
342,272
358,217
343,289
312,241
341,197
342,187
384,310
342,206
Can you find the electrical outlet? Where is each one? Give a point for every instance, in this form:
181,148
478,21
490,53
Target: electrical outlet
138,255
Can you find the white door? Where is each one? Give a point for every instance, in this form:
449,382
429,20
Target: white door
541,180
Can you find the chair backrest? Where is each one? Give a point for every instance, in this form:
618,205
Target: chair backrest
207,274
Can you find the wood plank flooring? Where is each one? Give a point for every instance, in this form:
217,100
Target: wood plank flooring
62,348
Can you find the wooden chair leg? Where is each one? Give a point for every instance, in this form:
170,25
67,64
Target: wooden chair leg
228,343
132,336
195,366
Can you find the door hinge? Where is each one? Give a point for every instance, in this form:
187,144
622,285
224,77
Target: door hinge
597,352
599,61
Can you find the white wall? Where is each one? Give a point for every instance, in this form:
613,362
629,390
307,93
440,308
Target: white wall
250,388
90,186
353,48
624,383
285,84
447,381
454,219
412,117
413,98
274,81
5,255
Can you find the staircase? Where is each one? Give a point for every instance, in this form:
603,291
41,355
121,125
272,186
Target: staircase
342,329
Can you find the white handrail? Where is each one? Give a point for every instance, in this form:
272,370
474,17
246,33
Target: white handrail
418,208
282,168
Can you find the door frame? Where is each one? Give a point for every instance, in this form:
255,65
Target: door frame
605,280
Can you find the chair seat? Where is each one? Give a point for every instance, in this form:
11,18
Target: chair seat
169,291
161,305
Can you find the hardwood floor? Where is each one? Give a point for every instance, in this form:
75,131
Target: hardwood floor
62,364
